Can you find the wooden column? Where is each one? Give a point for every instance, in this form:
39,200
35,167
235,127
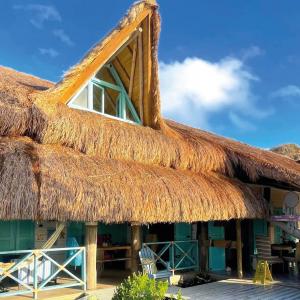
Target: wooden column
271,233
239,249
136,245
91,254
203,238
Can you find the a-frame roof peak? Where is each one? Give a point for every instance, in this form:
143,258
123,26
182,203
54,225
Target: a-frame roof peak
142,16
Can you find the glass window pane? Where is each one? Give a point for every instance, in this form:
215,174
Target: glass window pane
82,99
129,115
111,102
97,98
105,75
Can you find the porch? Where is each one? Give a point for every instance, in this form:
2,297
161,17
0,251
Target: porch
238,289
287,287
225,249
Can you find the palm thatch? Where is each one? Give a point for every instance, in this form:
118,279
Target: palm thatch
15,104
65,164
44,182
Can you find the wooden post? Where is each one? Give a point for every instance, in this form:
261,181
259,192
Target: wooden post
141,77
239,249
136,245
91,254
203,246
271,233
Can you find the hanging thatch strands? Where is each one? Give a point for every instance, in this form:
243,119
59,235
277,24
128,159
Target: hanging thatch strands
74,186
58,163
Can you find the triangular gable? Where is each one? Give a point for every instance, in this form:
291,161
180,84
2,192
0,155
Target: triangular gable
131,50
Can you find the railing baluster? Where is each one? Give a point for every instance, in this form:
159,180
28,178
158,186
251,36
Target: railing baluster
173,258
35,276
83,269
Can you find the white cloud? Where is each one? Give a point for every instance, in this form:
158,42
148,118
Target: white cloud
40,13
252,52
194,89
287,91
241,123
48,51
63,37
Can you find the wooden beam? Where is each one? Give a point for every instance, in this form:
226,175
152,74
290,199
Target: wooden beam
121,71
108,51
129,48
91,254
132,71
239,249
136,245
203,257
147,69
141,77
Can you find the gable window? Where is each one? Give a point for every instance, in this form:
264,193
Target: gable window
106,94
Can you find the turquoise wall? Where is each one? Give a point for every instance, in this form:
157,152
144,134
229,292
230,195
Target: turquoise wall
260,227
216,255
76,230
16,235
119,232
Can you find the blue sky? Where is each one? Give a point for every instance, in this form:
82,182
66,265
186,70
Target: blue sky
232,67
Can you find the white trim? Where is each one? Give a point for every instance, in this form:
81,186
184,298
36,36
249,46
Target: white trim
90,86
90,95
102,114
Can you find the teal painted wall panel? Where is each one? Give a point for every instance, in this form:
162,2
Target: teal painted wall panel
183,232
76,230
260,227
118,232
25,235
216,255
277,230
16,235
7,242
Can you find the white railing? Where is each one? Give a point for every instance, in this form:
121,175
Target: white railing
37,269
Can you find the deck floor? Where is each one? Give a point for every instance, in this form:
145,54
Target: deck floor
238,289
289,288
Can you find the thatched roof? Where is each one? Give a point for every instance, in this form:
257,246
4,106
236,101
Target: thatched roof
66,164
54,182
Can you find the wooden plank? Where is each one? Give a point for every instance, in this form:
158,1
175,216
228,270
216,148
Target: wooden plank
114,259
121,71
271,233
105,54
147,68
91,254
132,71
114,248
141,77
239,249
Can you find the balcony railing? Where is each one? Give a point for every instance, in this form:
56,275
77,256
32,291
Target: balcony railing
178,255
37,270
